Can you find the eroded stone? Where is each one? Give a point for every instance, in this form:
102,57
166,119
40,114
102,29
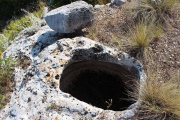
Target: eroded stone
40,97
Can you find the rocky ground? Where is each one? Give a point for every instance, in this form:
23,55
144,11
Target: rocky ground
111,26
45,54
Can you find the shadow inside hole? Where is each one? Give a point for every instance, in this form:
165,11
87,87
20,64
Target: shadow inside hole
99,86
100,89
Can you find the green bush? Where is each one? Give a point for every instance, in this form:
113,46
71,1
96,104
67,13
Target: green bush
58,3
9,8
17,25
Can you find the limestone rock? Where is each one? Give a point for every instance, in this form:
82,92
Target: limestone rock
36,92
71,17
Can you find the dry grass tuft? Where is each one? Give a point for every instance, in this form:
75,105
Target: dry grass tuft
141,35
158,11
159,100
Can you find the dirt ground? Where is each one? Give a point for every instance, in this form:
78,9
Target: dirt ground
111,26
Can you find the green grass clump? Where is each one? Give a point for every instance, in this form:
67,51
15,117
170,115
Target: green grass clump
9,8
12,8
17,25
159,100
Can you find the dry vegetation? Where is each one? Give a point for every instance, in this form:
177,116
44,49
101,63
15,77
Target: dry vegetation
150,32
6,65
159,99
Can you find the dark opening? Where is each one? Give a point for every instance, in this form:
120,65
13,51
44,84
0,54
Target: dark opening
98,83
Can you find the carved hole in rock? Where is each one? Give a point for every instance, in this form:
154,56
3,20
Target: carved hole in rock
101,84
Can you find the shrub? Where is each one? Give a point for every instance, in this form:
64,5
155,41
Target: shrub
17,25
9,8
35,21
58,3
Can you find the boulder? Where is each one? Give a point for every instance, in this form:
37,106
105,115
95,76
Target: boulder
39,90
71,17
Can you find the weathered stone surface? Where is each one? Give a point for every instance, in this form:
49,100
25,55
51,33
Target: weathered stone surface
36,93
71,17
117,2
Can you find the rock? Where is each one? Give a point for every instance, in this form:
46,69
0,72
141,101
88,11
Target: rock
117,2
37,94
71,17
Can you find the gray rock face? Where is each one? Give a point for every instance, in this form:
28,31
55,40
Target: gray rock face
71,17
37,94
117,2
